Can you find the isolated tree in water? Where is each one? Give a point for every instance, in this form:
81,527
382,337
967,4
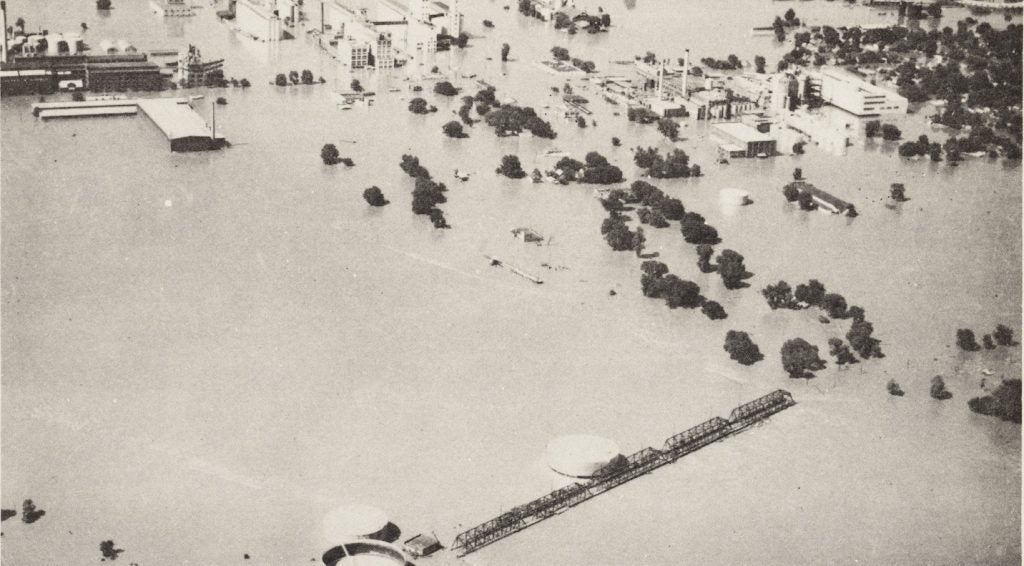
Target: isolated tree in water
504,51
329,154
800,358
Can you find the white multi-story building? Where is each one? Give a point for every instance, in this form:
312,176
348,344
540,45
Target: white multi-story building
260,19
855,95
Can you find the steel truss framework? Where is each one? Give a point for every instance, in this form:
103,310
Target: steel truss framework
618,473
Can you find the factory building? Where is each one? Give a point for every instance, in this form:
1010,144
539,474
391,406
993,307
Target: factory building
385,33
855,95
741,140
260,19
171,8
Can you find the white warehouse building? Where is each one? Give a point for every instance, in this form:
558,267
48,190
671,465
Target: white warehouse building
857,96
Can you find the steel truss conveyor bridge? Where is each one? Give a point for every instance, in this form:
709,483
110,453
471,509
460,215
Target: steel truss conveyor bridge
622,471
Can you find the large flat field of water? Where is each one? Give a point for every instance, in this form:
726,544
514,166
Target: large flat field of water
204,354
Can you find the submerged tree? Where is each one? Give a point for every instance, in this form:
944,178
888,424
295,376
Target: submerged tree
800,358
860,339
894,388
731,268
938,389
741,348
966,340
511,168
704,253
453,129
841,352
812,293
108,550
1003,336
713,310
29,513
779,296
1004,402
329,154
375,197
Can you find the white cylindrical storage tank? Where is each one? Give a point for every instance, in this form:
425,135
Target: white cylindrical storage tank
107,46
581,455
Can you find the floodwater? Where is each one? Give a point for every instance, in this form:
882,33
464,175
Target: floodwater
204,354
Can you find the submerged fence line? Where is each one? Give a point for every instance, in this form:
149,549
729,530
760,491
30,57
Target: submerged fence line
621,471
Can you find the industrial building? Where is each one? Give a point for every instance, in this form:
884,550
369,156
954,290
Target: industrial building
740,140
855,95
385,33
260,19
171,8
47,74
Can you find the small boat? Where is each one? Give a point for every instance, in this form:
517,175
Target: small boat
461,176
823,319
987,372
762,155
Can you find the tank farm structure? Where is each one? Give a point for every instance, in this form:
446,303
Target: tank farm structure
621,471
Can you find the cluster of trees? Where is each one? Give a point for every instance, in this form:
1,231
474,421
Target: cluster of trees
453,129
1002,336
800,358
673,165
1004,402
281,79
641,115
669,128
426,194
741,348
889,132
595,169
653,218
696,230
980,138
419,106
814,294
330,155
657,283
375,197
730,64
103,4
445,88
510,167
659,207
619,236
779,25
562,54
510,119
923,146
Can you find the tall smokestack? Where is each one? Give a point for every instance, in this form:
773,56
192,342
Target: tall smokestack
3,24
686,71
661,78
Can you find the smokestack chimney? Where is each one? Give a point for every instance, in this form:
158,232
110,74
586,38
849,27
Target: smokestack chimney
686,71
3,23
661,78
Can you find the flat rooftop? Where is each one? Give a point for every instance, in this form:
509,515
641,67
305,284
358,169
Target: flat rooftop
176,118
743,132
